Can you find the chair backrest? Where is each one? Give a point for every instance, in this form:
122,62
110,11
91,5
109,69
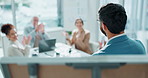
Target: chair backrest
16,68
6,42
45,71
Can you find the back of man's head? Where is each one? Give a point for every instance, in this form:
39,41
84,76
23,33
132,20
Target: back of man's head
114,17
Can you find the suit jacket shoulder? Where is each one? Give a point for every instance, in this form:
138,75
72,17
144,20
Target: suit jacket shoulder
122,45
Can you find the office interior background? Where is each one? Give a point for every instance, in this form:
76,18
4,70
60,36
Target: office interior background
62,14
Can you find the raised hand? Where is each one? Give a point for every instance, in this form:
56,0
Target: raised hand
37,28
66,34
26,40
41,28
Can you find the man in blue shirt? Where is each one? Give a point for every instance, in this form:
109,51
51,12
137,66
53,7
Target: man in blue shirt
113,19
36,32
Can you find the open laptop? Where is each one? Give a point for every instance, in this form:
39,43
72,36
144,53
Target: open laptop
47,45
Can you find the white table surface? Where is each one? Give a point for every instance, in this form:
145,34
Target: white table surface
61,49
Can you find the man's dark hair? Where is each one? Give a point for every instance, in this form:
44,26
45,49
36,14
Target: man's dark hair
114,17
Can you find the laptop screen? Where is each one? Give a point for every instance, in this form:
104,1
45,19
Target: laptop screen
46,45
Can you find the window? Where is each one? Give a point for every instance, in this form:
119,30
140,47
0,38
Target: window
5,12
104,2
24,10
131,17
46,10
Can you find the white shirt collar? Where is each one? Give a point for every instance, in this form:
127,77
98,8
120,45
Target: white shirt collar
115,37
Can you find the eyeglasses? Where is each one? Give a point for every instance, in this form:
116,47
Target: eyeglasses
98,20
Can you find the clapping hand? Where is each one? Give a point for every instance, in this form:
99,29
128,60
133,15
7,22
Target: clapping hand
41,28
102,44
26,40
66,34
37,28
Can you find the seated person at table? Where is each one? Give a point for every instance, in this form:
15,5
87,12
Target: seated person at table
112,18
16,48
80,37
36,31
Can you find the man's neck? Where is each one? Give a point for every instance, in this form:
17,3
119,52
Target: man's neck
110,35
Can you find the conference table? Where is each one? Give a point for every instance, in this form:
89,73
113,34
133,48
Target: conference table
61,50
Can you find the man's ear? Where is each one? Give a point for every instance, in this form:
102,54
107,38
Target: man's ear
104,27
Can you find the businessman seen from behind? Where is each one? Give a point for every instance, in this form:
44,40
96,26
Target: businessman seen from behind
112,18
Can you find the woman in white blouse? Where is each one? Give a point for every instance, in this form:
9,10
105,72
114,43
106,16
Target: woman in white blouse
16,48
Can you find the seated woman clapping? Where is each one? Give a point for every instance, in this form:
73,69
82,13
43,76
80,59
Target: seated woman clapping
80,37
16,48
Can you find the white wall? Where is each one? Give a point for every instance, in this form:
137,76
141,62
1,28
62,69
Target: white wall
142,36
73,9
92,19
